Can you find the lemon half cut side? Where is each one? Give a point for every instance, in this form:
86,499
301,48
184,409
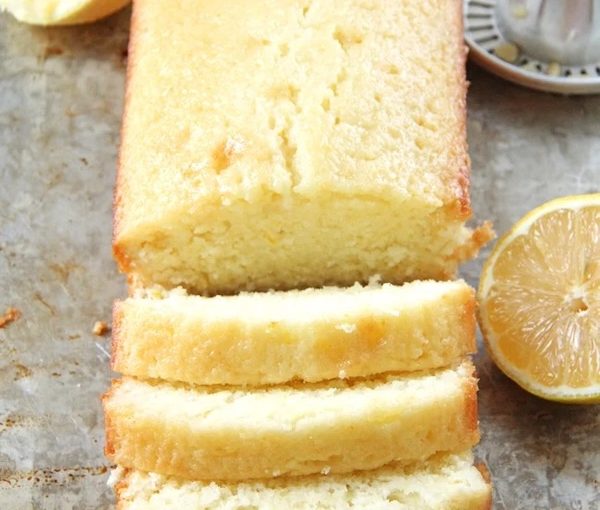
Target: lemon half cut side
539,300
61,12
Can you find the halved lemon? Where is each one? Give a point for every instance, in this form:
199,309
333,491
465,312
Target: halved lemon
61,12
539,300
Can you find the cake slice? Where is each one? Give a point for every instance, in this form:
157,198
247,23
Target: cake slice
310,335
228,434
292,144
444,482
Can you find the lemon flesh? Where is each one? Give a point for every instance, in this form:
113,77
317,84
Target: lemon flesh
61,12
539,297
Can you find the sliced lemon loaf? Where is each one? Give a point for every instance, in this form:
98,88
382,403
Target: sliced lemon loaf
310,335
228,434
444,482
293,143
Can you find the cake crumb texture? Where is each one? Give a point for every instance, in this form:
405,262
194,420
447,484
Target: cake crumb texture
443,482
295,143
222,433
277,337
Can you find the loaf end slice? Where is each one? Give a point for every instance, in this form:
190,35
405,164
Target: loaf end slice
443,482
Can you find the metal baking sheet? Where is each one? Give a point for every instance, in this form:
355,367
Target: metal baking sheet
61,93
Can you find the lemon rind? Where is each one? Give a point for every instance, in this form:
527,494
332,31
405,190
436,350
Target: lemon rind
83,12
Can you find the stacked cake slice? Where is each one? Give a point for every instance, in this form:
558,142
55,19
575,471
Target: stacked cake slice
216,397
443,482
278,337
294,144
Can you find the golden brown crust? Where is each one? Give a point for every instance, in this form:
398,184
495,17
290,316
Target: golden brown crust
109,428
119,254
489,502
485,474
483,234
464,173
479,237
471,408
117,319
470,320
118,251
120,487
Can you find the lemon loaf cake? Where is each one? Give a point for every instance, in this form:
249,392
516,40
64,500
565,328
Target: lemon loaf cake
309,335
228,434
444,482
293,143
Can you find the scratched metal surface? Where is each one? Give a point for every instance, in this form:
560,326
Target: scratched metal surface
61,94
60,100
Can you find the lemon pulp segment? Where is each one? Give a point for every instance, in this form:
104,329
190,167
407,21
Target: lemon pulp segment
540,300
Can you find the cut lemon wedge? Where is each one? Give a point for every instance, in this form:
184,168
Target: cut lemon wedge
61,12
539,301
